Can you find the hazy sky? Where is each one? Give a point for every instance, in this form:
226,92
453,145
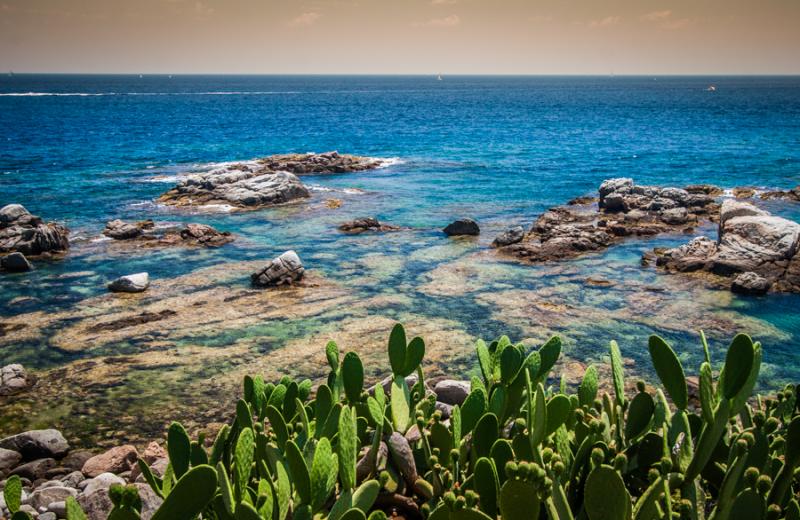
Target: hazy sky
402,36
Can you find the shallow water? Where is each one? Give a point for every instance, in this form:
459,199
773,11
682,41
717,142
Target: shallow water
499,150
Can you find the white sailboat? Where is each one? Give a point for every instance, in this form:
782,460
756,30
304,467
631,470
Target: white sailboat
439,77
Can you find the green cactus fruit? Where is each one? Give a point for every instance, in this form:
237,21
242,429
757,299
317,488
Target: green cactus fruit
179,448
617,372
485,434
640,415
548,354
332,355
245,511
487,485
783,480
243,457
354,514
348,447
190,496
278,425
13,493
400,398
415,352
510,363
397,349
587,391
558,410
352,376
472,409
501,454
669,371
738,364
740,400
298,471
74,510
323,473
605,496
519,500
748,505
708,399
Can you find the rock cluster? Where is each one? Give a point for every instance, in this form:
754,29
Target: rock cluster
265,182
361,225
283,270
623,209
144,233
792,194
28,235
13,379
756,249
51,473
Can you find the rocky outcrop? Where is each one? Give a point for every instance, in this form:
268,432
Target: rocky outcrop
462,226
265,182
13,379
15,263
792,195
28,234
623,209
132,283
283,270
754,248
362,225
145,234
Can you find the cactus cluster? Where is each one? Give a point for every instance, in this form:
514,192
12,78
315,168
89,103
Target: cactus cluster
520,446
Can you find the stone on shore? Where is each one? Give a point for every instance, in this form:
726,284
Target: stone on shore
115,460
361,225
15,263
44,496
791,195
27,234
8,461
13,379
264,182
101,481
750,283
132,283
510,236
462,226
451,391
283,270
35,444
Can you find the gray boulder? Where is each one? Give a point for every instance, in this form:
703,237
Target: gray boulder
283,270
34,470
508,237
462,226
8,461
119,230
13,379
101,481
43,496
750,283
35,444
451,391
27,234
15,263
132,283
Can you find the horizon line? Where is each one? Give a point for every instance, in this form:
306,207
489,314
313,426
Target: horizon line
11,72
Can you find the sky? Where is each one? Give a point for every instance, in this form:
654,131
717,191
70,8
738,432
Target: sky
401,36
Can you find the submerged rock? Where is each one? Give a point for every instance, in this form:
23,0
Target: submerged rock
119,230
264,182
462,226
27,234
361,225
754,246
145,234
132,283
283,270
510,236
13,379
204,235
15,263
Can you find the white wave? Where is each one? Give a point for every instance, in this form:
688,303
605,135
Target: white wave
40,94
386,162
326,189
164,178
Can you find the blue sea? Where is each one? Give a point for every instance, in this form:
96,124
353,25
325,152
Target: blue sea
85,149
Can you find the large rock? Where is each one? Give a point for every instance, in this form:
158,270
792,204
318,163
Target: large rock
451,391
510,236
27,234
35,469
265,182
15,263
115,460
204,235
43,496
97,505
119,230
750,283
462,226
8,461
283,270
13,379
132,283
36,444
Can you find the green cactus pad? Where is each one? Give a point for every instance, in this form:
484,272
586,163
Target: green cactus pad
669,371
190,496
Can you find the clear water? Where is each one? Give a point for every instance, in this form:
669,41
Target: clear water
86,149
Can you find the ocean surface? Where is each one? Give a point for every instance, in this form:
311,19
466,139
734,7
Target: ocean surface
87,149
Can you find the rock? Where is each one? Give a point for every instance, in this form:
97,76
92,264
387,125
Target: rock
265,182
132,283
15,263
750,283
445,409
361,225
57,508
41,497
510,236
13,379
451,391
34,470
75,460
119,230
36,444
705,189
675,216
8,461
153,452
97,505
462,226
101,481
791,195
283,270
27,234
115,460
49,515
203,235
73,479
744,193
733,208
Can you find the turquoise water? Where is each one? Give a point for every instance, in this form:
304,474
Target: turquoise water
86,149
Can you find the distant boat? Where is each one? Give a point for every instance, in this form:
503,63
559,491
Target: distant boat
140,75
439,77
711,88
10,73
